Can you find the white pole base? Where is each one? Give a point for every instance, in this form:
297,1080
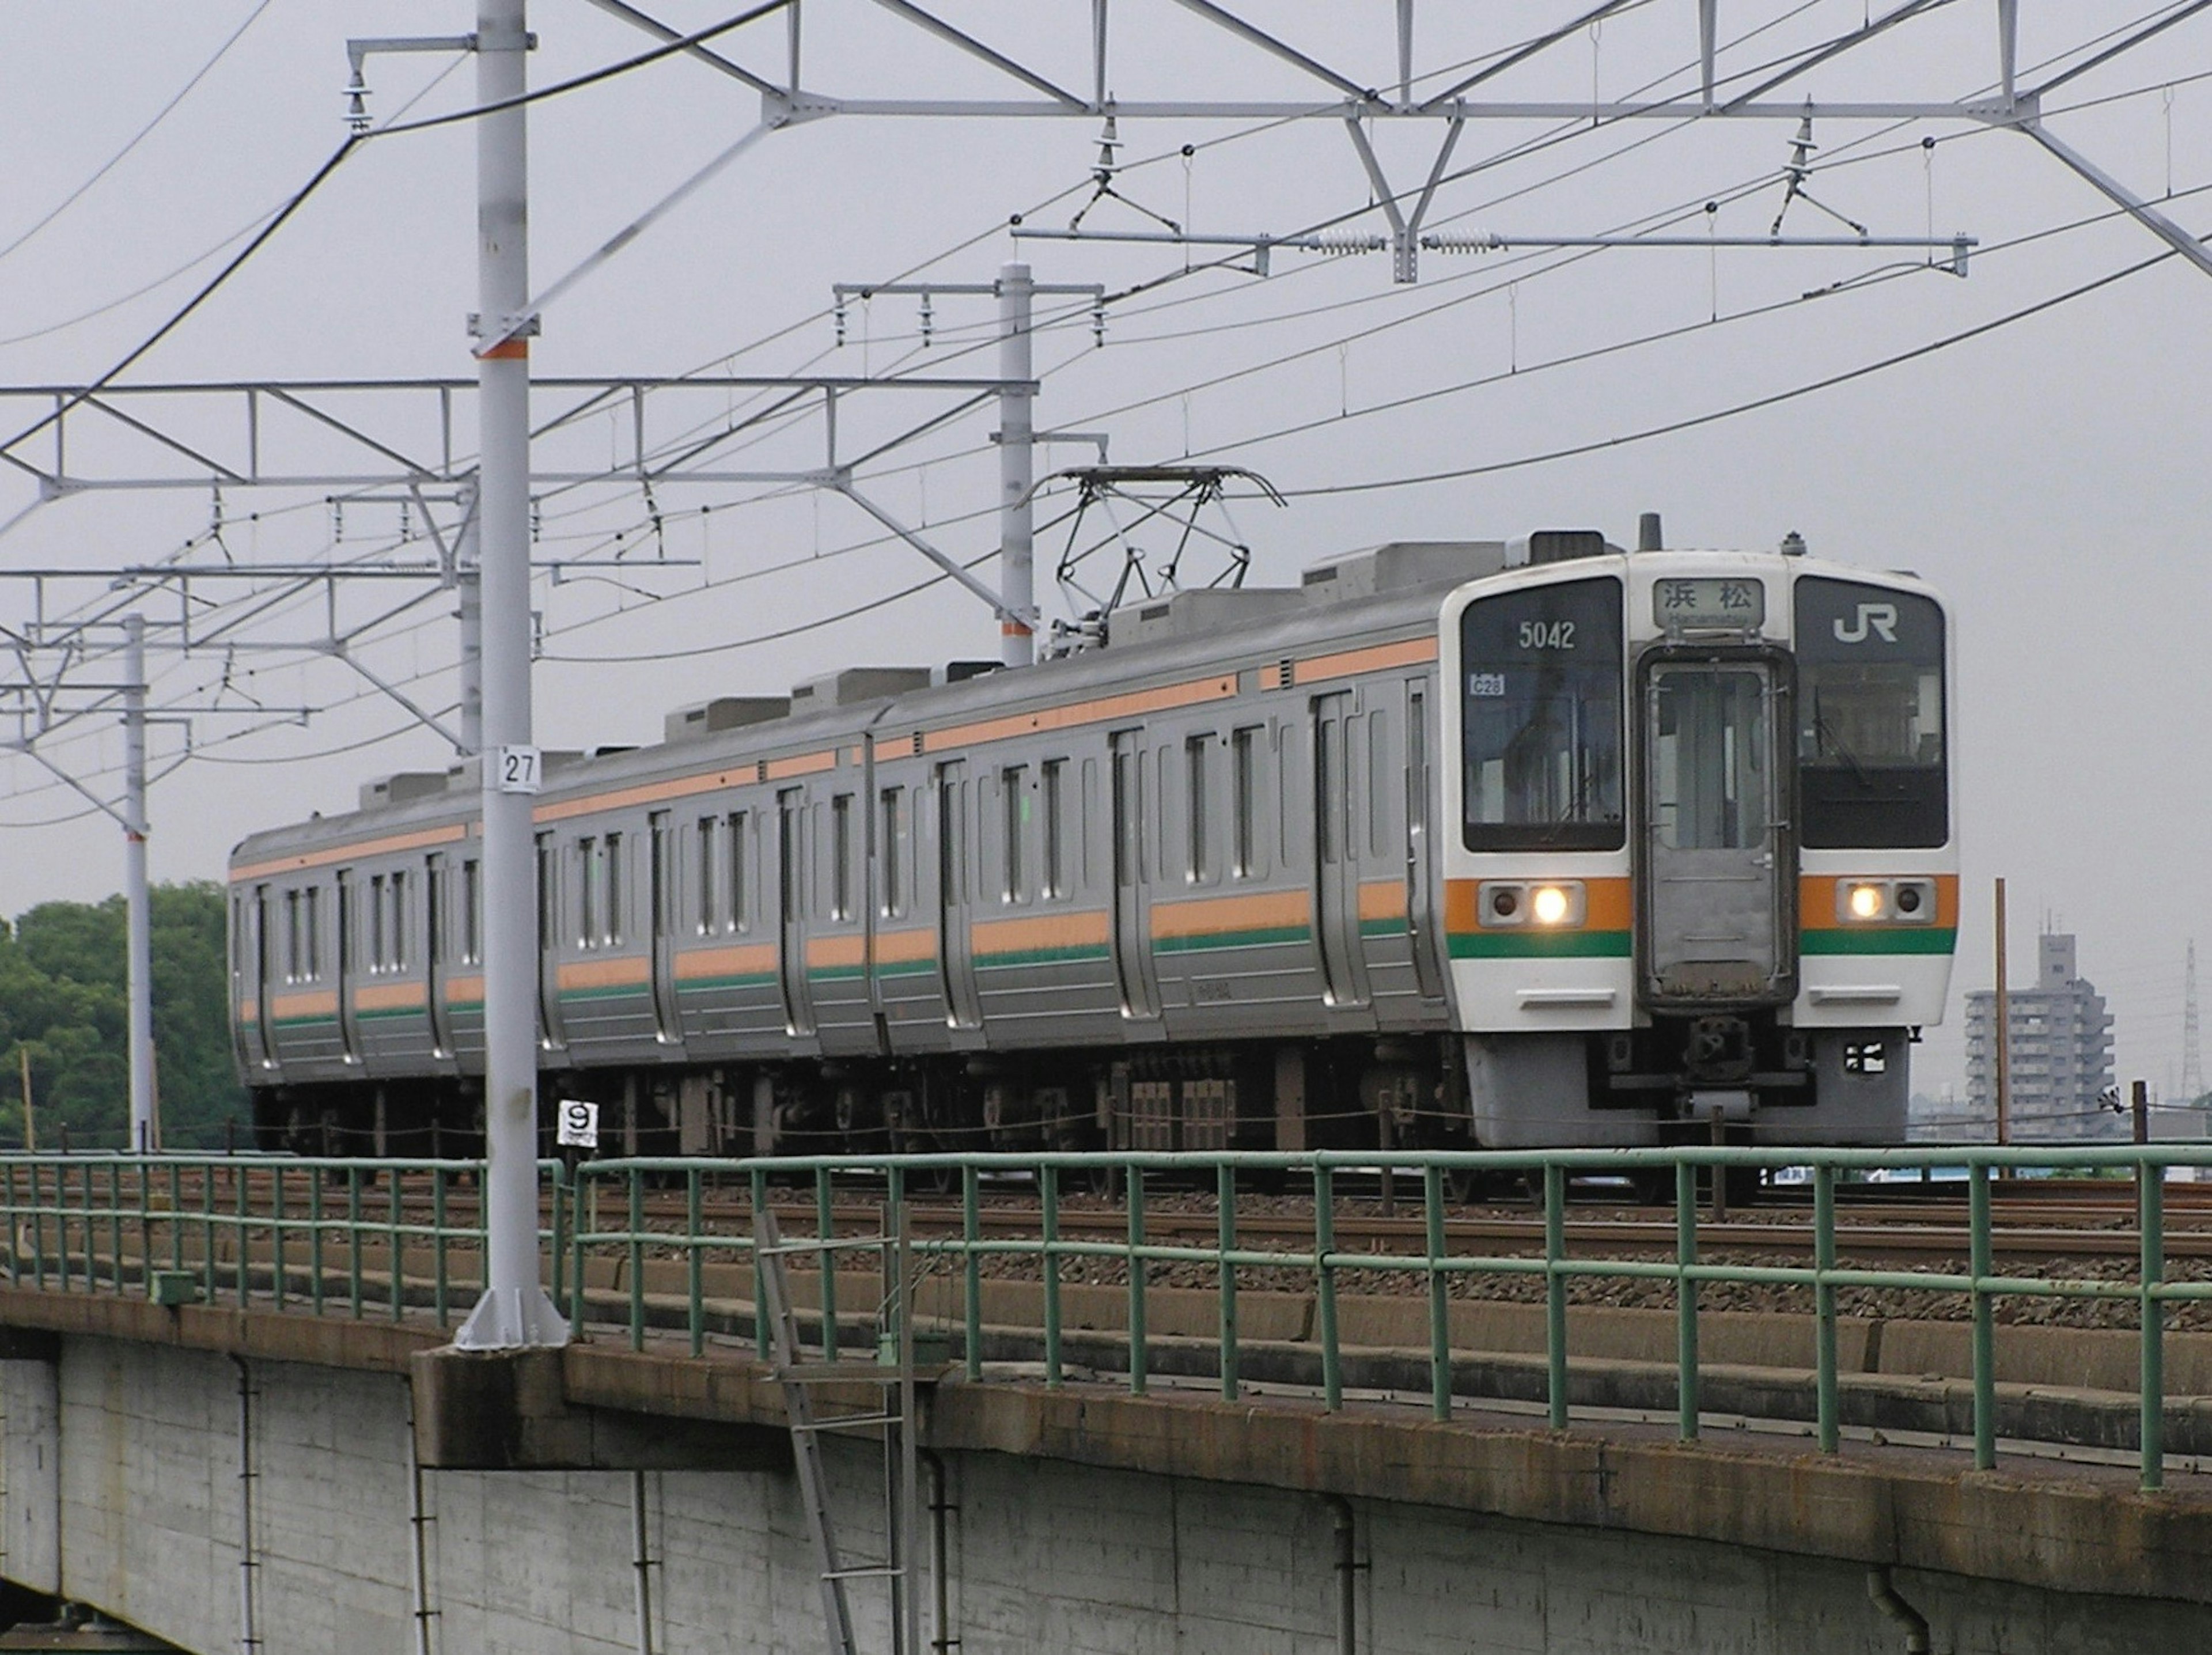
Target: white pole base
510,1319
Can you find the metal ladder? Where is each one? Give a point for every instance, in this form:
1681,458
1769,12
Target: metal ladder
892,1418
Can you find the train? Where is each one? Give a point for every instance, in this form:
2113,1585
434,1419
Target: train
1452,844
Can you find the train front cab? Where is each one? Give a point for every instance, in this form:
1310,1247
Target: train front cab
1704,867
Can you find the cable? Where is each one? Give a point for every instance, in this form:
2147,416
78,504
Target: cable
199,259
1671,427
589,77
139,136
299,199
925,583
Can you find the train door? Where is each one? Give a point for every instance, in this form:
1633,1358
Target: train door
1421,928
1133,966
1719,863
956,892
1338,816
551,1032
255,1033
348,1020
660,900
435,954
790,893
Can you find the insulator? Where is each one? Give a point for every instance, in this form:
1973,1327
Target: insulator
928,320
1481,242
1099,323
1340,246
839,312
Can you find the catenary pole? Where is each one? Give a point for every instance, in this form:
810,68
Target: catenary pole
469,595
138,972
515,1310
1016,566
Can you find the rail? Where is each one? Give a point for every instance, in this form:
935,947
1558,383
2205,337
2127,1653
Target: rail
644,1245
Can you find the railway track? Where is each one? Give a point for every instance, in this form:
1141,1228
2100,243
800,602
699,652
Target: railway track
2033,1220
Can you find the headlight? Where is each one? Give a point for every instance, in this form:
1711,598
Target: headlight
1886,902
1550,905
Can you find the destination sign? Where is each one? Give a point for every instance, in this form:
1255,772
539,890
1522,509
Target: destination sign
1709,601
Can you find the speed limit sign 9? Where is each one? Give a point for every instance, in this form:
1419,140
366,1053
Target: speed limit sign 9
579,1124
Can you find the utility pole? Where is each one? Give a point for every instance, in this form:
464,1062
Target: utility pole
515,1310
1016,566
2004,1028
138,927
2192,1058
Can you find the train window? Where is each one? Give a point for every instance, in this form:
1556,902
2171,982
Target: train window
1243,762
1053,775
787,809
612,888
1199,870
435,893
740,895
588,892
471,914
1541,675
397,932
294,959
704,920
840,857
1087,816
893,803
1014,791
1708,786
549,903
376,939
1378,788
1871,763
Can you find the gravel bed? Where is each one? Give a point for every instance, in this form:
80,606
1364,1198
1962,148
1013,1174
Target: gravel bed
1883,1303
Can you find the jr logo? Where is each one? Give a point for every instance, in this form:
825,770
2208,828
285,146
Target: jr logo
1881,620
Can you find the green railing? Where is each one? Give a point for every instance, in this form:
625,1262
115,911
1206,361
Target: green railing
281,1232
664,1245
968,1251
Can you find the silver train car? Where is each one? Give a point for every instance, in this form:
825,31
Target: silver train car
1455,843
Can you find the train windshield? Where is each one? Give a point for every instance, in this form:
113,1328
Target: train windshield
1871,746
1542,678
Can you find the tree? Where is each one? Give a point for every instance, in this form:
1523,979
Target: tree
63,971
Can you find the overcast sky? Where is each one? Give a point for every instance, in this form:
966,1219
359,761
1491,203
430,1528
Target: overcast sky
2049,474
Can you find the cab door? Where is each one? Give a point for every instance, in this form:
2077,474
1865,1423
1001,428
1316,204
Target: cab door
1719,859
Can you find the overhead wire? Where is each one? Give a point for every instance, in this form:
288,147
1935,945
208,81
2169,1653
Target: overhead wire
1772,399
1870,368
140,136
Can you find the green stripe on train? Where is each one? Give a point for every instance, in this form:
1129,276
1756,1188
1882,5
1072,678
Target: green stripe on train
1266,937
1933,939
1071,955
1539,945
